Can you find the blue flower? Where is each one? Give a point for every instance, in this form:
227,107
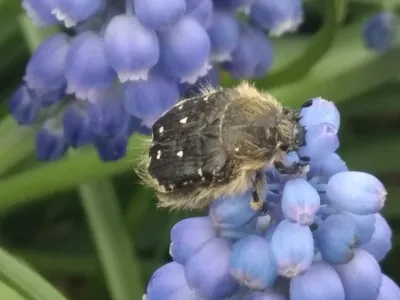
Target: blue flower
292,248
253,55
317,111
319,282
320,236
208,270
72,12
140,53
381,241
88,72
379,31
356,192
336,239
157,14
277,16
224,36
169,283
188,235
300,201
131,49
361,277
190,62
389,289
251,264
51,143
45,69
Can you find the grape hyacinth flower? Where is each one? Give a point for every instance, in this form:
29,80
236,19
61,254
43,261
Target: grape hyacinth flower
138,58
379,32
321,236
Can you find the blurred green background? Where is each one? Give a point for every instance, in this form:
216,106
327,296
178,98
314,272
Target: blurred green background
92,231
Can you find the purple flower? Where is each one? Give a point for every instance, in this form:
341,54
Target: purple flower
356,192
250,263
159,14
208,272
292,248
361,277
379,32
300,201
131,49
188,235
169,283
319,282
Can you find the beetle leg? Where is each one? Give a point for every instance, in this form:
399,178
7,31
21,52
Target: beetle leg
256,191
293,169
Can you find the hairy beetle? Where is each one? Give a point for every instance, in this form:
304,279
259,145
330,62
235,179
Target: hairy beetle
217,144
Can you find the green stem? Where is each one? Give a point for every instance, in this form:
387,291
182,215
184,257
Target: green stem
17,142
67,264
62,175
24,280
111,238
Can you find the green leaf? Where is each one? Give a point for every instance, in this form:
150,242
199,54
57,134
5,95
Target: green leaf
17,142
138,205
347,71
24,280
67,263
375,155
8,293
382,99
111,238
316,49
54,177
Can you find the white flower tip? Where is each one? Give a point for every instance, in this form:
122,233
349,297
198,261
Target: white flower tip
289,25
170,249
62,17
80,93
200,72
126,76
290,271
220,57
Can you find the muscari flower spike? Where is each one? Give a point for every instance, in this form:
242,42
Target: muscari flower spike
322,236
144,55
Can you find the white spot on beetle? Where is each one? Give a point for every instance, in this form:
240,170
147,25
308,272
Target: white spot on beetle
200,172
158,154
180,153
237,149
183,121
203,178
161,130
185,183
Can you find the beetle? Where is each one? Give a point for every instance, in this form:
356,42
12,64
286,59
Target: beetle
217,144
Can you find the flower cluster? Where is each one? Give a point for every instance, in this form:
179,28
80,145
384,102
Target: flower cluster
321,235
121,64
379,32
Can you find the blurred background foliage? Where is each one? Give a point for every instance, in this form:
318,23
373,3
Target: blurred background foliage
122,238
